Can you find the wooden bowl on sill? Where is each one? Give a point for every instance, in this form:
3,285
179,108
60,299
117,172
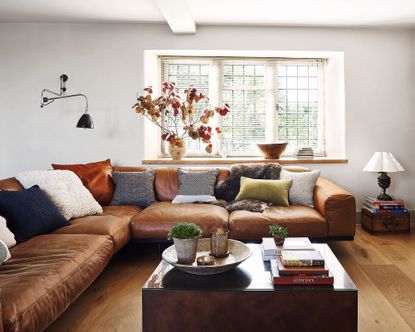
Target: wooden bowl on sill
272,150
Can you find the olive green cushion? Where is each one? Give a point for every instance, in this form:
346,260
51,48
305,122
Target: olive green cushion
273,191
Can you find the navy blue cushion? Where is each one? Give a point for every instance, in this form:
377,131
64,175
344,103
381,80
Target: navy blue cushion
30,212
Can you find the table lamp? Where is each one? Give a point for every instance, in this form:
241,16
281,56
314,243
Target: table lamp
382,163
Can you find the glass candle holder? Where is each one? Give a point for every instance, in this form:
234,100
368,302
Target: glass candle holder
219,242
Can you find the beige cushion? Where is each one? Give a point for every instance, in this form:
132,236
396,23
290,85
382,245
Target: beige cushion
5,234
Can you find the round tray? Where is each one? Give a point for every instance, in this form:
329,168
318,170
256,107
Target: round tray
238,252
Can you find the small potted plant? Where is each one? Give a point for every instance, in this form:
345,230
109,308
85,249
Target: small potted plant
279,233
185,236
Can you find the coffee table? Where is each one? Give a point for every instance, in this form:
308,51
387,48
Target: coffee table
244,299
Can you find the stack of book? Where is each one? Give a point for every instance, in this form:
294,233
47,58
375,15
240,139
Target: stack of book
376,206
305,153
270,250
300,267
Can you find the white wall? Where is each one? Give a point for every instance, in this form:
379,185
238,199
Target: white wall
106,63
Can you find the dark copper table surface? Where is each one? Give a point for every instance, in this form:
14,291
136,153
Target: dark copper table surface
251,275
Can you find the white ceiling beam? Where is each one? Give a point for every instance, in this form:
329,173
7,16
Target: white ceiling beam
178,16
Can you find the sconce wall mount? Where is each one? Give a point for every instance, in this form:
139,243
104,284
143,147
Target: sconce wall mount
85,121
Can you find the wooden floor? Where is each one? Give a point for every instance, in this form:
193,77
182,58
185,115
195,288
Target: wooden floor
383,268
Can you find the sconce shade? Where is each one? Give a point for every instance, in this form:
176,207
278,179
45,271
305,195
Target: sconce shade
383,162
85,122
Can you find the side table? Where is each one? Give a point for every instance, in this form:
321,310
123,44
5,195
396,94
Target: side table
385,222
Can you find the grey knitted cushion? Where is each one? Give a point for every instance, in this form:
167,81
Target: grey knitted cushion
197,183
133,188
4,252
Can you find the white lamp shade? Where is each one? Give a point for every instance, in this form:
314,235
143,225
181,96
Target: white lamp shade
383,162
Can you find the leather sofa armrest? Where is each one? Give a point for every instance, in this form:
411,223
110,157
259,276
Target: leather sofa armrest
337,206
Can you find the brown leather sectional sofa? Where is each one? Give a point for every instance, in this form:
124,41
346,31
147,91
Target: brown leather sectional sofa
48,272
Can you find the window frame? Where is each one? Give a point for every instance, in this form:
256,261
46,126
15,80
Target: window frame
216,88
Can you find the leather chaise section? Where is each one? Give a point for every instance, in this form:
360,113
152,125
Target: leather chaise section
46,274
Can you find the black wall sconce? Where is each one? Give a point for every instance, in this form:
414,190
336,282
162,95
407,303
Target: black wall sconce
85,121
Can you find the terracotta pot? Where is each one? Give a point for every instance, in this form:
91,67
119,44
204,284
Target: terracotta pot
186,250
279,241
272,150
178,149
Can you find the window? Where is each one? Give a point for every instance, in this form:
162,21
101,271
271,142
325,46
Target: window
271,100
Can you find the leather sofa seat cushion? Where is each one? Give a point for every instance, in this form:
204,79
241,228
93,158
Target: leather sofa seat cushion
46,274
122,211
156,220
117,228
300,220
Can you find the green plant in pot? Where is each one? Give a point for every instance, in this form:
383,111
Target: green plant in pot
185,236
279,233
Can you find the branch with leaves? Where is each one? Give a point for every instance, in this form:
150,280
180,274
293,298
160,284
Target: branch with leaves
170,105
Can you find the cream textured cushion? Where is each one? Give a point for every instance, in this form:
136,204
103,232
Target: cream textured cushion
302,187
5,234
65,190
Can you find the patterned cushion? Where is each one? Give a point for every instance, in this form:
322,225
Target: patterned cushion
302,187
197,183
4,252
133,188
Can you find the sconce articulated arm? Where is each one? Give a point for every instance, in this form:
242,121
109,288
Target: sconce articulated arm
85,121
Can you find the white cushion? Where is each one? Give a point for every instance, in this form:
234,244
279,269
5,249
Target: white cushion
4,252
65,190
5,234
193,198
302,186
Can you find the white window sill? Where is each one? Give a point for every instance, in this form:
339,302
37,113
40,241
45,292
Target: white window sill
239,160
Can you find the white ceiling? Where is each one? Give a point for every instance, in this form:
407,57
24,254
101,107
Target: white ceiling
184,15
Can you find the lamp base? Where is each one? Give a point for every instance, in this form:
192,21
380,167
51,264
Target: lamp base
384,197
384,182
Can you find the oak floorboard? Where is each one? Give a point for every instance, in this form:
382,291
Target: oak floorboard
113,302
375,312
397,288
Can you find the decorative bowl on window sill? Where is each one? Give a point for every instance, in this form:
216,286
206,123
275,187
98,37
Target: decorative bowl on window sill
272,150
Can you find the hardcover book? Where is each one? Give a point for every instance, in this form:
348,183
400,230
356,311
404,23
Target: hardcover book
300,270
301,258
291,243
299,280
375,201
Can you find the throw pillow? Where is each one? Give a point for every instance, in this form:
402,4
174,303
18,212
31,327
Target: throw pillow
65,190
4,252
229,188
30,212
133,188
302,187
179,199
5,235
274,191
96,177
197,183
